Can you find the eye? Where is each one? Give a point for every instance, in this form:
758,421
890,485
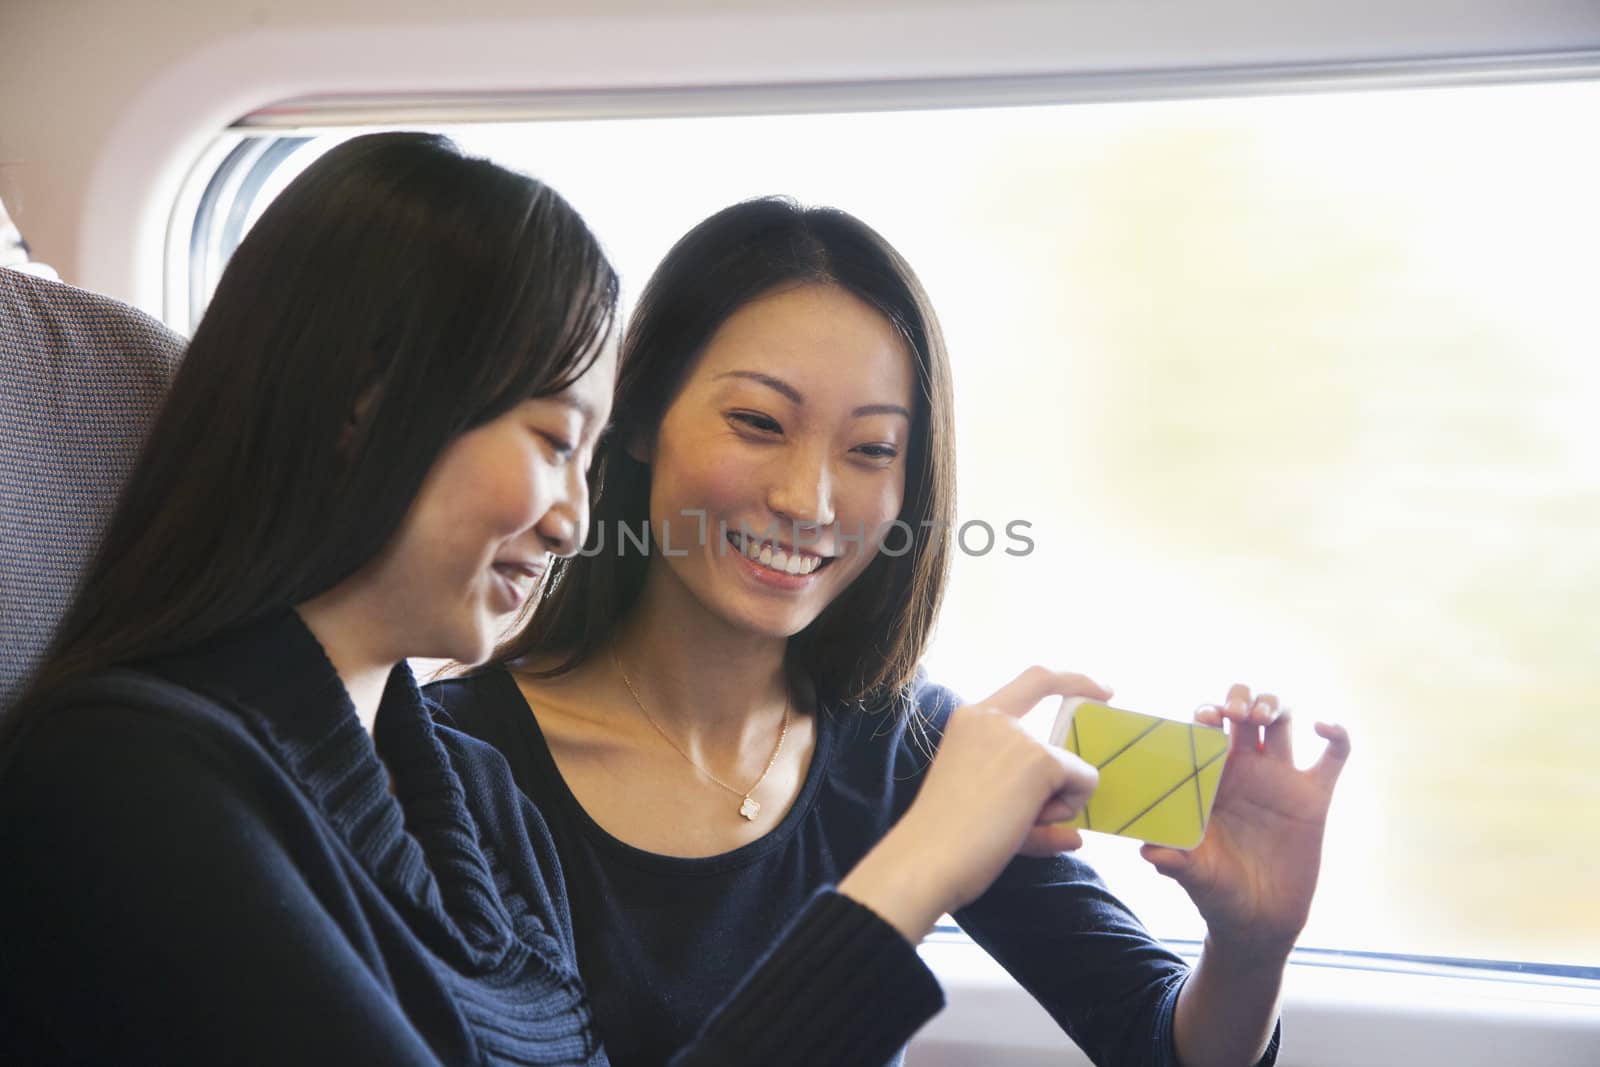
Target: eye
881,453
754,420
564,449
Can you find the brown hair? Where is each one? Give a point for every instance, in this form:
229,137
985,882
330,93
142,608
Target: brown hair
864,646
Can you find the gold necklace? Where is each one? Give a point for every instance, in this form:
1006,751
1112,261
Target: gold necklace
750,806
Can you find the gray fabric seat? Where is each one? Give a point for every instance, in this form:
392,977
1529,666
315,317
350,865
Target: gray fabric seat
81,378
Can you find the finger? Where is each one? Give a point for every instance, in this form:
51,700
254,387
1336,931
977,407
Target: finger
1058,810
1243,735
1076,778
1019,696
1331,762
1208,715
1238,703
1278,741
1265,709
1172,862
1049,840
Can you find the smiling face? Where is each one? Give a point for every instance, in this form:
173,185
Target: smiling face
499,501
790,434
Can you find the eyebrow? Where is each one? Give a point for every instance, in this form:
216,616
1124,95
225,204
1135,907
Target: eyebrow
788,391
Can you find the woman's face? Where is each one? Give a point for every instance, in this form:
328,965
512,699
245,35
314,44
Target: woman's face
496,505
789,435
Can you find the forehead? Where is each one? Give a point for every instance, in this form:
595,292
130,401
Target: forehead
818,338
591,393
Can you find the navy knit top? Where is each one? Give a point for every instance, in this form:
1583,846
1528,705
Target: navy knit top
661,940
209,861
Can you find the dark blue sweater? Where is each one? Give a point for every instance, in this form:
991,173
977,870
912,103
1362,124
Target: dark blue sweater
203,863
662,940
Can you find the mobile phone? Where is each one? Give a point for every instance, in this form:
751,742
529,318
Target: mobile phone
1158,777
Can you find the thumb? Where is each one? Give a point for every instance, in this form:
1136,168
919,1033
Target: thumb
1050,840
1172,862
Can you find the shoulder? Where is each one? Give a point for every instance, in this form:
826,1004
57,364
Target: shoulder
480,764
930,701
485,704
915,714
883,746
482,761
133,793
129,724
482,689
491,789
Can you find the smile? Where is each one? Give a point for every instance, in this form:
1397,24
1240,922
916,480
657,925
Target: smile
517,580
777,558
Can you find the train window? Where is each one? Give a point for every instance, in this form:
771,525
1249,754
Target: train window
1297,390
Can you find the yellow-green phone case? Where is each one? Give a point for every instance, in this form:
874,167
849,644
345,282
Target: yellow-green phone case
1158,777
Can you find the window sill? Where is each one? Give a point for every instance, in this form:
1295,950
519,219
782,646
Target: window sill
1337,1012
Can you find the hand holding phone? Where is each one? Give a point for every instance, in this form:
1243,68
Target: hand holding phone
1158,777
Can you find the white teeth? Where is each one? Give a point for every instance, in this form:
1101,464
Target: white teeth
777,559
518,577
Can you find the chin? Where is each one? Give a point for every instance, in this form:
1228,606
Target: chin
782,625
471,648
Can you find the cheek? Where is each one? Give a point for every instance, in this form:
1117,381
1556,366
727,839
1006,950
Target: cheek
878,504
719,483
522,496
484,510
869,509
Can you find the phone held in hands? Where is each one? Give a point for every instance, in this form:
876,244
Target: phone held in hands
1158,777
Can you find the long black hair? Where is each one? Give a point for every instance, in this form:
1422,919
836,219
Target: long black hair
865,646
397,294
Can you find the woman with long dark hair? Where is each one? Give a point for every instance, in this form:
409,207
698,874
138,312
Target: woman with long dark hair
231,830
718,706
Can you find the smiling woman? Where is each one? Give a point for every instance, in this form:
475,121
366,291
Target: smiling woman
225,740
827,466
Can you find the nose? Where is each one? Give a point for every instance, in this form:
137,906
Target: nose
565,523
802,492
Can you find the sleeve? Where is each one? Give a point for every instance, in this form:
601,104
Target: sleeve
1078,950
840,986
150,914
1069,942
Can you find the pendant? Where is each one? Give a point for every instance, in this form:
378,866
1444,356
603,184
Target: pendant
749,809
